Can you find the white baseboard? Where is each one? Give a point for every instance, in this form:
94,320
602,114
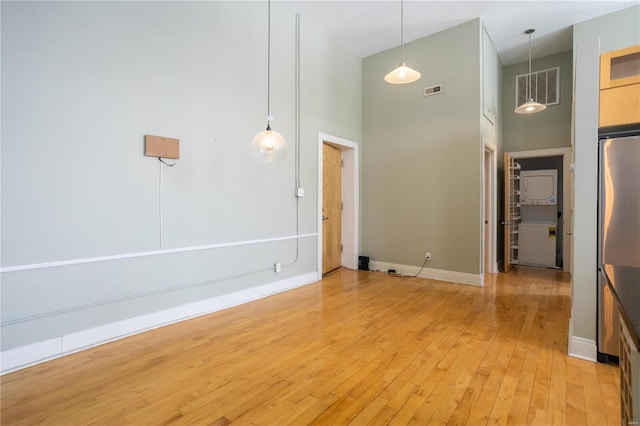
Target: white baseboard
435,274
580,347
25,356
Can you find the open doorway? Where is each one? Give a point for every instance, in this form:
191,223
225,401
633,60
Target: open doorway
542,230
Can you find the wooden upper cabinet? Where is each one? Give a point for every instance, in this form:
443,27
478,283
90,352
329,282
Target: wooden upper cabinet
620,87
620,67
490,83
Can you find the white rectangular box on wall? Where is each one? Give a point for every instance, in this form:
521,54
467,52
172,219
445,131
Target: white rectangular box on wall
539,187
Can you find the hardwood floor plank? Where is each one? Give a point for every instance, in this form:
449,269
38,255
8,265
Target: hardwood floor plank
404,415
556,411
476,352
369,412
356,348
541,387
287,410
576,412
384,416
316,410
609,389
593,398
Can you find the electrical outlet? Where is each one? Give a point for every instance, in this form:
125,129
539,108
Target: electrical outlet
277,267
428,255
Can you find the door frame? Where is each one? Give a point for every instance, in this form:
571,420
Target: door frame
350,197
489,205
567,210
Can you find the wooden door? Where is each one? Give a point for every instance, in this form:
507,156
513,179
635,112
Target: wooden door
507,214
331,208
487,212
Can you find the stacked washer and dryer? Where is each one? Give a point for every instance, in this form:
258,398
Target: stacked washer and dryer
539,209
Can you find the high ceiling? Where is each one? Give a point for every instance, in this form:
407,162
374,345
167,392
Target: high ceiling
367,27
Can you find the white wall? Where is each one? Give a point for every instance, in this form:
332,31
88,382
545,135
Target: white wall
606,33
83,82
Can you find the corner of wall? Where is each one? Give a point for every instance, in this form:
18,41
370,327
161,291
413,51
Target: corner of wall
581,348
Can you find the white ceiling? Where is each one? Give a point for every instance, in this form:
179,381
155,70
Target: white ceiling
367,27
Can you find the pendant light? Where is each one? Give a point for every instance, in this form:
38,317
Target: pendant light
269,146
402,74
531,106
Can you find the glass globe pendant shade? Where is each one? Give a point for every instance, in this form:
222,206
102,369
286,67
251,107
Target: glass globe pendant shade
402,74
530,107
269,146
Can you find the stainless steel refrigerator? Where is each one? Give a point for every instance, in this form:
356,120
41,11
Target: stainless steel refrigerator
618,222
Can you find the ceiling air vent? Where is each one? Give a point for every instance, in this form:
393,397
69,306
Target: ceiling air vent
433,90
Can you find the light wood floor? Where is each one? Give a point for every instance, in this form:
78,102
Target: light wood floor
358,347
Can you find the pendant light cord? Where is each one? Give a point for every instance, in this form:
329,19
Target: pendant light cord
297,116
402,31
268,64
529,31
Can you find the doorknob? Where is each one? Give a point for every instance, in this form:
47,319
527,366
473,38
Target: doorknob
325,217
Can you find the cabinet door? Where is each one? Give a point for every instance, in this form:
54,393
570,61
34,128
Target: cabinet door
619,105
629,378
489,78
620,67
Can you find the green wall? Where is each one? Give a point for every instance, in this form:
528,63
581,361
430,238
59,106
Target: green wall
550,128
83,82
591,38
422,155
